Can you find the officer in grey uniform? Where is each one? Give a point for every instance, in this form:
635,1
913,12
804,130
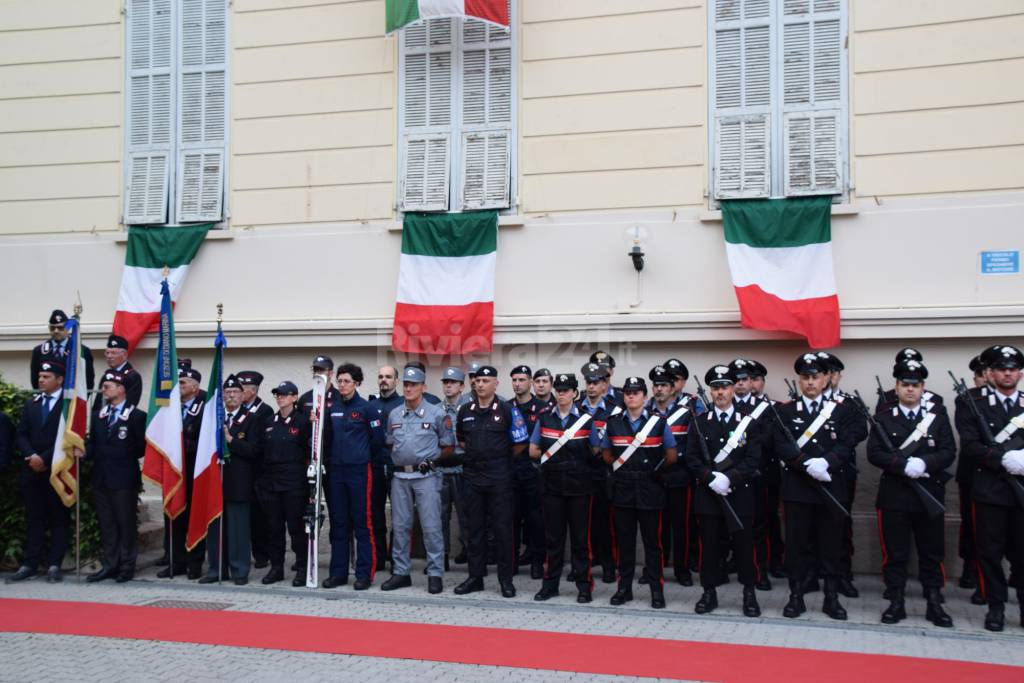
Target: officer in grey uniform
419,433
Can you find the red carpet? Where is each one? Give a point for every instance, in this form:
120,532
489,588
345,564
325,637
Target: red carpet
488,646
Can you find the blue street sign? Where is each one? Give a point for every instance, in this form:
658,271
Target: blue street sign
1000,262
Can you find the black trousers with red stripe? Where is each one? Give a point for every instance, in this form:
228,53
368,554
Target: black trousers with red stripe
713,529
768,544
572,514
602,546
675,528
894,530
998,531
814,534
626,522
966,546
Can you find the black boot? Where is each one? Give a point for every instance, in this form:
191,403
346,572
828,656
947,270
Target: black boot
897,610
846,587
750,606
968,576
995,619
765,584
795,607
547,591
622,596
708,602
935,613
273,576
657,597
683,577
537,570
831,606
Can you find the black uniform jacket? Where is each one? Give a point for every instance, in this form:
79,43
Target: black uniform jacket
740,465
36,436
567,472
990,482
248,431
285,453
677,475
936,447
636,484
48,351
828,443
190,425
116,449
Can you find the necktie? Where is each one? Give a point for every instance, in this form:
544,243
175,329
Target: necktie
46,407
113,417
1008,404
912,416
814,407
723,418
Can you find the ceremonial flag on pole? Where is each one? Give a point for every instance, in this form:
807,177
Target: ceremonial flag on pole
445,300
207,495
149,250
72,426
401,13
780,255
163,463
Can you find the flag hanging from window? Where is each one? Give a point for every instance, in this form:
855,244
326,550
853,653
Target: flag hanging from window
401,13
445,300
149,250
780,255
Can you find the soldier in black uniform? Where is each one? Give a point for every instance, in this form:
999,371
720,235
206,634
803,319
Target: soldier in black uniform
282,488
491,432
116,356
253,404
635,443
924,448
56,348
997,488
561,443
677,409
527,520
815,455
244,433
192,404
888,398
613,393
600,406
964,475
117,442
44,509
725,466
542,387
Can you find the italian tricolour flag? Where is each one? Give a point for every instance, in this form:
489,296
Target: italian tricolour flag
149,250
71,430
207,494
445,300
780,255
401,13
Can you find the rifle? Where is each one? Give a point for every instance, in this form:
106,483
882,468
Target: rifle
822,489
732,520
791,389
880,391
932,505
960,387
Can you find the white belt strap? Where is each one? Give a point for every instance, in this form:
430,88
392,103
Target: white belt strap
920,429
734,438
640,437
565,437
1015,423
826,412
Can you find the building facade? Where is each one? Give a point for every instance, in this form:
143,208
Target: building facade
304,132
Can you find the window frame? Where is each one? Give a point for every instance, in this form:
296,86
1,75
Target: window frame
778,110
176,149
458,129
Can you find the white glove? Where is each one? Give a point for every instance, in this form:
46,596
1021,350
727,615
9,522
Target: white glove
720,484
1013,462
818,468
915,468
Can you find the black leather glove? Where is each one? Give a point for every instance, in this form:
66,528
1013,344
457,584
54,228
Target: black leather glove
426,466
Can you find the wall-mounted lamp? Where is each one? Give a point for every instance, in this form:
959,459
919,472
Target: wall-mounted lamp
635,237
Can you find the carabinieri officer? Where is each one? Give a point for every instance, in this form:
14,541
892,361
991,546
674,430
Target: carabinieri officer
561,444
491,431
635,444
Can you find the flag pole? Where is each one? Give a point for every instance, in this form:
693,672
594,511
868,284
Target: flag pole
78,462
170,521
220,463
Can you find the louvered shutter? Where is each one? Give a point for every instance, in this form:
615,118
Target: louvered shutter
812,96
149,111
486,115
742,79
426,92
203,117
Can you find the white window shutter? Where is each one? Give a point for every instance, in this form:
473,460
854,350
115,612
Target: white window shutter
202,122
812,155
149,111
486,116
743,98
811,97
426,94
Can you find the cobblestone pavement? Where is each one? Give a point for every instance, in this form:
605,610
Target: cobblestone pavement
36,655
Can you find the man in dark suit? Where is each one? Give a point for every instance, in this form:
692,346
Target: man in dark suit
56,348
243,434
117,441
6,440
44,510
255,406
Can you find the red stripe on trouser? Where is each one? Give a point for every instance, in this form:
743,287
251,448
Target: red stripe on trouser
686,529
614,536
768,529
881,539
590,552
977,554
369,520
661,574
